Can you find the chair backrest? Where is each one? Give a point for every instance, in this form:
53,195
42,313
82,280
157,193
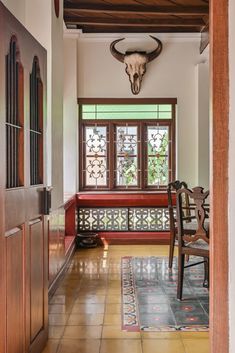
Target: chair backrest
172,188
197,198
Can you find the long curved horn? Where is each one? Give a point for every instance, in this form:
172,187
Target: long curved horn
154,54
119,56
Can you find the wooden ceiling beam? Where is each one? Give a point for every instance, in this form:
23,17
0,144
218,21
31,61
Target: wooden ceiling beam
113,29
134,22
138,9
205,38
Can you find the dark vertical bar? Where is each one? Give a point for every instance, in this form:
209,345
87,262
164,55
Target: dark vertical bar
37,136
11,113
32,125
11,83
36,124
37,105
7,120
14,115
35,153
31,120
17,157
14,84
17,181
12,158
7,156
32,158
35,97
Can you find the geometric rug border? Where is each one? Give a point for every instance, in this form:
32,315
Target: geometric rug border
130,315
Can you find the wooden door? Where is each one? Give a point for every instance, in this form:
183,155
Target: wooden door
23,237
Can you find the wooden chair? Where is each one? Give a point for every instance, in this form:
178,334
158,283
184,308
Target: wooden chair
171,191
192,240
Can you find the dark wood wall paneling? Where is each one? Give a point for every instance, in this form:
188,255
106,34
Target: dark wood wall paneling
62,231
36,229
15,288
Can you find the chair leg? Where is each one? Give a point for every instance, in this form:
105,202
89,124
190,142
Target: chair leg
172,247
181,260
206,273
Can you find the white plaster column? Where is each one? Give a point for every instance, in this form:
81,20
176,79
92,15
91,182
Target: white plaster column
70,116
202,124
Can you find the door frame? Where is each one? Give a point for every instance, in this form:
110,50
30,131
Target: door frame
219,147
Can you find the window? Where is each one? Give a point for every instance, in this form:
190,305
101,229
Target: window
14,117
127,146
36,125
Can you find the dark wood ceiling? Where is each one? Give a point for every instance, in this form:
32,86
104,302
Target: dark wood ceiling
136,16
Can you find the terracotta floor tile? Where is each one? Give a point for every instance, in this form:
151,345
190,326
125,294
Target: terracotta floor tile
89,303
92,291
114,291
58,299
88,319
160,335
121,346
60,308
51,346
115,331
56,331
83,332
112,319
91,299
194,335
113,299
79,346
196,345
88,308
163,346
58,319
114,282
113,309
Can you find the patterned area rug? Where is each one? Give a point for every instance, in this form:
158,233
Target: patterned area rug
149,296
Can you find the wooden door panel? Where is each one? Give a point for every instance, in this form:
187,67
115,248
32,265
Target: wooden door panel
34,202
15,215
24,249
53,247
15,268
36,277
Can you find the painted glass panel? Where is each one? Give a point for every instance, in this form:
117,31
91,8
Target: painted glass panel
127,155
96,156
158,155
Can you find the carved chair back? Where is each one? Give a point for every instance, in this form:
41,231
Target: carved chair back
172,188
197,202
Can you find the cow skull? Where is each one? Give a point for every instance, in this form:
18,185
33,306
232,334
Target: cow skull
136,62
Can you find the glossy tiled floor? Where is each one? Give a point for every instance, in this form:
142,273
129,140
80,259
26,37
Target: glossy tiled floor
84,314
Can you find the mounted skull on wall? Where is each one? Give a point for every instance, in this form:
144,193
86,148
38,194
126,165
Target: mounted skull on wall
136,62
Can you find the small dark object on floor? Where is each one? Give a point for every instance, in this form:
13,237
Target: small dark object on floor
87,240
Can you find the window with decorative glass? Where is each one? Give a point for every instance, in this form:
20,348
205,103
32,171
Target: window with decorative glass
127,146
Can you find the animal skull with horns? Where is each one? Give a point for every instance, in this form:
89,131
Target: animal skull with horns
136,62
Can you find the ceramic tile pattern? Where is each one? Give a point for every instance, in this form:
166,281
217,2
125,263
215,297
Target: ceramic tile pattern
149,282
85,312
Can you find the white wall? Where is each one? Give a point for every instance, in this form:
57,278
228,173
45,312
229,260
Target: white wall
17,8
172,74
34,12
232,177
70,117
202,129
57,91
